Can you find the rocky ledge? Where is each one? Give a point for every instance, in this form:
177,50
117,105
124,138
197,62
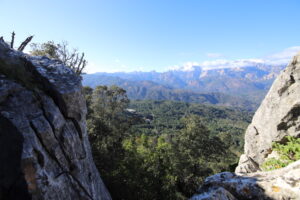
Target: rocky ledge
44,147
279,184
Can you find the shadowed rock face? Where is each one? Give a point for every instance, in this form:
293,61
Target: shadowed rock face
277,117
44,147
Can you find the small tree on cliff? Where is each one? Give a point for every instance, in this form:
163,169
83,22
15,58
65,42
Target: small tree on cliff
60,51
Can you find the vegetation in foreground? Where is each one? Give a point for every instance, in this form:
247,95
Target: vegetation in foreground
288,151
160,149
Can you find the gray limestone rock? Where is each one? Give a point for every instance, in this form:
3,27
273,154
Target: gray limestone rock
278,184
44,147
277,116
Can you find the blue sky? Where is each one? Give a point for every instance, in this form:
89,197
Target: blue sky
128,35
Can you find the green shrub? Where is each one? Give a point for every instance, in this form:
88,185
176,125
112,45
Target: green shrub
288,150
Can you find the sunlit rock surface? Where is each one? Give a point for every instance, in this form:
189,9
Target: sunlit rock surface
278,184
277,116
44,147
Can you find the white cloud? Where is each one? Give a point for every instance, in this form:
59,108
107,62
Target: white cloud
188,66
280,58
217,64
284,56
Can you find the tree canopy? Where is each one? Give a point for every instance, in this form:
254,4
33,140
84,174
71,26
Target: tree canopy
61,51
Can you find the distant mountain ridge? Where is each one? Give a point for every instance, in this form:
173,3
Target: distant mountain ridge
225,86
148,90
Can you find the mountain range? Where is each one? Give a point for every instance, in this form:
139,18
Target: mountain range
233,86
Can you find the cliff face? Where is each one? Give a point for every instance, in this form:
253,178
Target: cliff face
44,147
277,117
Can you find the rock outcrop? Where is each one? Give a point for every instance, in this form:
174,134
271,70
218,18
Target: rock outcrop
277,117
44,147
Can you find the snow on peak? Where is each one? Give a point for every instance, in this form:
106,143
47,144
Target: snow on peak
189,66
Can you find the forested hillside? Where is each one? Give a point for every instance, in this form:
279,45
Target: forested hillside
165,117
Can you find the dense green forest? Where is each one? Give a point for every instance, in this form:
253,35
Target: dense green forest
165,117
160,149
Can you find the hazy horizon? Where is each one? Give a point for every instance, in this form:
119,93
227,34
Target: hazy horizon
160,35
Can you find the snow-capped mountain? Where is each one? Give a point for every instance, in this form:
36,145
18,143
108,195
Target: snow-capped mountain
251,79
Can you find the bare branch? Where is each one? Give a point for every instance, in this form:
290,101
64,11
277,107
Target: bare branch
24,43
12,39
81,60
82,67
73,62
